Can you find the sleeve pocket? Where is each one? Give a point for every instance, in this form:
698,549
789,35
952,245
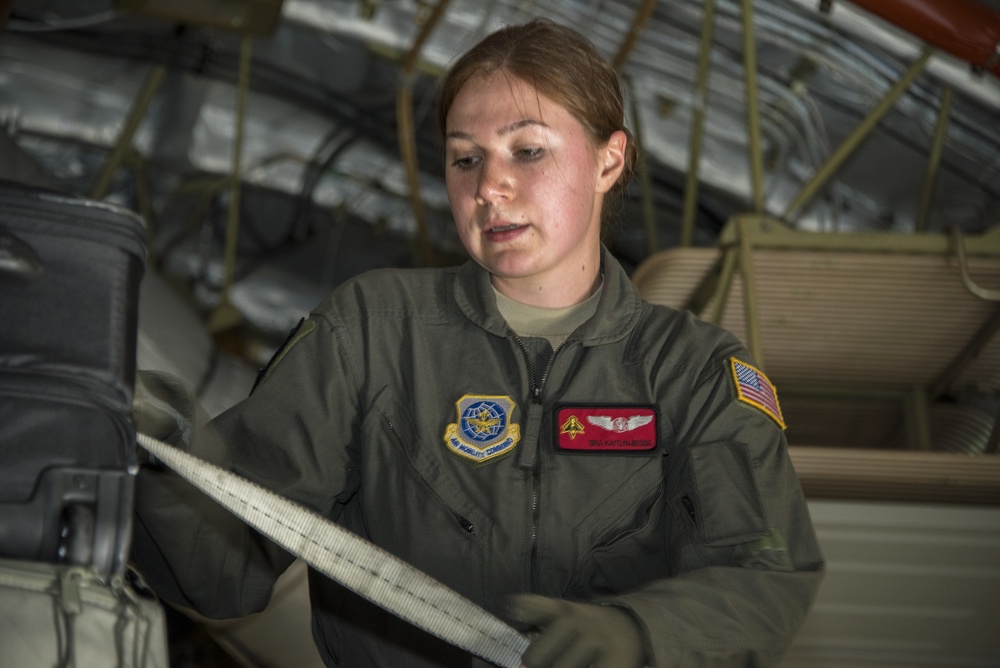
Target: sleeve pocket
729,510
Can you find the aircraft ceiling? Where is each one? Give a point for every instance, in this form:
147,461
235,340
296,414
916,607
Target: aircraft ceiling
325,193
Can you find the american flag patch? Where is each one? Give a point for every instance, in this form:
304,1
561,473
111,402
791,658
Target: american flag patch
753,387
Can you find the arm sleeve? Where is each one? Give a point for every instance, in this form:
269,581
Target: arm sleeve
743,556
293,435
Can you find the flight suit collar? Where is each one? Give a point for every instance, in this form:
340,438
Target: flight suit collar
617,311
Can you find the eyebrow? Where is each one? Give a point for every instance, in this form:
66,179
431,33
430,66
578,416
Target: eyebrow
506,130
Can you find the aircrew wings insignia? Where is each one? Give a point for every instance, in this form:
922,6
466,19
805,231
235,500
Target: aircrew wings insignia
619,424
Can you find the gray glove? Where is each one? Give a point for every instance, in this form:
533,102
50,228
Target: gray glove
164,407
578,635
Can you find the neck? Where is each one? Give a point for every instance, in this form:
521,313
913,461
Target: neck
556,292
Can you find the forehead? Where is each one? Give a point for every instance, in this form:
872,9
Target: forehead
502,98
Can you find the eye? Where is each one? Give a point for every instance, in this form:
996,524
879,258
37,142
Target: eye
465,162
529,153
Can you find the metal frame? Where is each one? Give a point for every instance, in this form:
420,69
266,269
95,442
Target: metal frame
407,133
746,233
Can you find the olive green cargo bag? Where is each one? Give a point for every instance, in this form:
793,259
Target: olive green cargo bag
60,616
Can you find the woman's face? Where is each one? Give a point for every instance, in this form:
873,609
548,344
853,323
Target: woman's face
526,184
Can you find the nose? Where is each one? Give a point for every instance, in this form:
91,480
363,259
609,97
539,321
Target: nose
494,182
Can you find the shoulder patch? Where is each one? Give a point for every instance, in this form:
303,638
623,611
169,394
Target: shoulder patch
753,387
305,326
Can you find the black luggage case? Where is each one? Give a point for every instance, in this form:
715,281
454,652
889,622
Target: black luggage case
69,287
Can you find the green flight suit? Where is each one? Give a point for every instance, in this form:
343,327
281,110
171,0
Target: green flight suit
405,409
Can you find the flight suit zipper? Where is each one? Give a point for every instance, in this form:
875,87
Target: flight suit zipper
536,398
689,507
646,514
536,385
464,523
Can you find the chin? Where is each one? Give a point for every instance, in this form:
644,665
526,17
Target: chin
509,269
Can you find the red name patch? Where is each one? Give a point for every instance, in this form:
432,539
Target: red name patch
606,428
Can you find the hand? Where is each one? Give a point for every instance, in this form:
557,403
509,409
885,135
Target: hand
578,635
164,408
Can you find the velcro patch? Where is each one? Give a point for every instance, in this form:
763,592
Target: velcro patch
601,428
305,326
483,430
753,387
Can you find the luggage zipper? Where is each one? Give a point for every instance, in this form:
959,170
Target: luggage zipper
70,583
36,378
21,575
38,384
64,210
69,590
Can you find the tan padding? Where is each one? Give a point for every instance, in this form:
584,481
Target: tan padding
897,475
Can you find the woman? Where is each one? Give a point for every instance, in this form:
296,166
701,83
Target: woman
524,427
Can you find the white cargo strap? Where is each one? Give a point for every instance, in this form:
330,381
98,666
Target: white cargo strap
359,565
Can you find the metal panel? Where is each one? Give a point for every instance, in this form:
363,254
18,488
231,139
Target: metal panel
868,319
829,317
863,334
897,475
906,585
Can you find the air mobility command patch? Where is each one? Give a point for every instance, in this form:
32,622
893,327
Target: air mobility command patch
603,428
483,430
753,387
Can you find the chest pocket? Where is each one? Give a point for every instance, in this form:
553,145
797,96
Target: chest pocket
726,505
616,551
412,507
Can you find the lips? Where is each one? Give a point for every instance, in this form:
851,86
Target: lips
502,231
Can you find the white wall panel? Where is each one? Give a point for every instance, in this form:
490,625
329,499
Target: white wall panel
907,585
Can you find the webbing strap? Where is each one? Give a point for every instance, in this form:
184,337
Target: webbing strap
359,565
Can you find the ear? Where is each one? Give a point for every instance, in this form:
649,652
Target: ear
611,161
